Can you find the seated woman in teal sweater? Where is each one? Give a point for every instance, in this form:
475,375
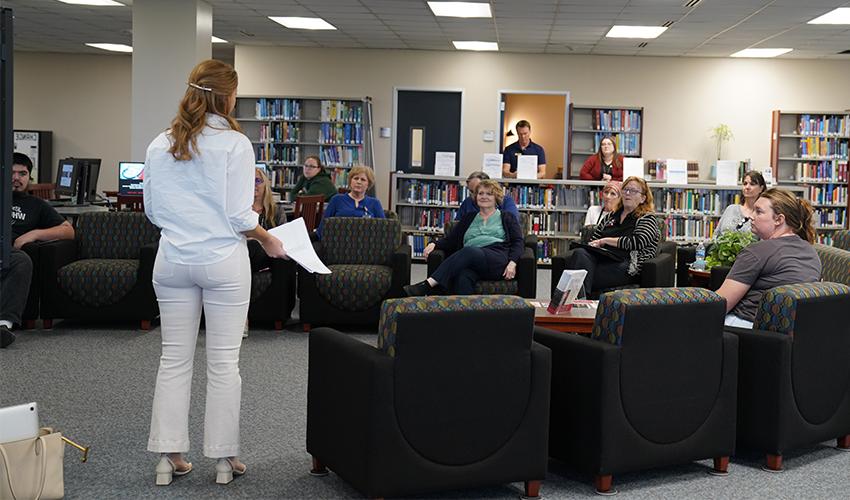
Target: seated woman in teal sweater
354,203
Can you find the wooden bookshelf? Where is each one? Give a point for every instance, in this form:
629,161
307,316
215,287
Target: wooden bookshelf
809,149
588,124
285,130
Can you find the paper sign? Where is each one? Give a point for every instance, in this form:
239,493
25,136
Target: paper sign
444,163
526,167
768,176
632,167
677,171
492,165
727,173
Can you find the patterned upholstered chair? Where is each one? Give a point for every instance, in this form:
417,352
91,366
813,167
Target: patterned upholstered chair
835,264
841,239
414,415
105,273
794,378
525,282
368,265
654,385
659,271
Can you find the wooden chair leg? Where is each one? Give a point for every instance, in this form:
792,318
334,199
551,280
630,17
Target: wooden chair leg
47,324
319,468
278,325
603,484
843,442
306,326
146,325
29,324
774,462
532,489
721,465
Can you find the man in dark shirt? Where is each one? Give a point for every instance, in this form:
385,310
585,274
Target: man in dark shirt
523,146
33,219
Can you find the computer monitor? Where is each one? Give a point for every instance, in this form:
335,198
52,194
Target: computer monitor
130,178
67,174
87,183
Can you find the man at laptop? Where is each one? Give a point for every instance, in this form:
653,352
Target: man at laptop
33,220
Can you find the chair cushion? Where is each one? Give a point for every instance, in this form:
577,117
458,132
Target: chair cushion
777,310
835,264
391,308
344,240
98,282
354,287
260,282
497,287
611,313
841,239
113,235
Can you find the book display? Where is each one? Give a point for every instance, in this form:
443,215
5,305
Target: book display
810,149
286,130
589,124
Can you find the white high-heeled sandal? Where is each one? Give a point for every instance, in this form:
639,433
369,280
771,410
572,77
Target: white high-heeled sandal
165,471
224,471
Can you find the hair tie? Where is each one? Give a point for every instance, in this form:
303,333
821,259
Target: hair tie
199,87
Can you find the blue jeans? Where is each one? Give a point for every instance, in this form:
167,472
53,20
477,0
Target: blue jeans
602,272
462,269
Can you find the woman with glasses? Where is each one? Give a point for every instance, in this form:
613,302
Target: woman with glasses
605,165
630,235
354,203
314,180
610,199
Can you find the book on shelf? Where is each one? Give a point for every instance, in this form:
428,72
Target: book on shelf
628,143
280,132
556,223
418,242
820,147
277,109
826,170
690,230
830,217
340,156
341,111
657,169
340,133
824,125
437,192
616,120
681,200
277,154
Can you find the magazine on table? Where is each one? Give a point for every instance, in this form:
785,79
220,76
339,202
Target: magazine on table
566,291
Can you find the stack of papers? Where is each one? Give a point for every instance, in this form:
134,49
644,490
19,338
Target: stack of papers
298,246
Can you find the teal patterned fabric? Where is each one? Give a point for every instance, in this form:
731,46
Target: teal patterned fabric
113,235
392,308
611,313
777,310
354,287
497,287
98,282
835,264
358,240
841,239
260,282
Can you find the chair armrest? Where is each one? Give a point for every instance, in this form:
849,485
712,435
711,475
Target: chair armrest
147,258
718,276
54,255
659,271
530,241
526,274
435,258
400,264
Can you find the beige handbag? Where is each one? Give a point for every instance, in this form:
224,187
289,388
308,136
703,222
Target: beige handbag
32,468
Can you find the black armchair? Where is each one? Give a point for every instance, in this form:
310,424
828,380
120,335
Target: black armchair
794,378
654,385
32,307
272,293
456,395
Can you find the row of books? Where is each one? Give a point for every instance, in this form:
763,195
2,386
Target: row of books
277,153
657,169
627,144
830,217
432,192
555,223
426,219
278,109
692,201
824,238
827,170
418,242
280,132
341,111
824,125
827,194
682,230
558,196
341,133
284,178
546,249
616,120
820,147
341,156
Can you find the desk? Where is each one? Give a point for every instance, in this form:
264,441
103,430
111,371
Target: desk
577,320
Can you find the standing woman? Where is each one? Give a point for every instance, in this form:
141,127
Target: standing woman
199,189
605,165
354,203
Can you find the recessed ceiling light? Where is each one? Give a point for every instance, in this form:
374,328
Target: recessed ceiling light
760,52
837,16
114,47
216,39
303,23
476,45
460,9
635,31
98,3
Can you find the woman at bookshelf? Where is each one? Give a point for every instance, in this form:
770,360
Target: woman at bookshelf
315,180
611,196
198,189
738,216
630,235
468,205
605,165
784,255
486,244
354,203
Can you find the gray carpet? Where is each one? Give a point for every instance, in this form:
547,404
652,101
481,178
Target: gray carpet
95,383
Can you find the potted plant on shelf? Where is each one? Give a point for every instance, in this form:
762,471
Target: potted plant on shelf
721,133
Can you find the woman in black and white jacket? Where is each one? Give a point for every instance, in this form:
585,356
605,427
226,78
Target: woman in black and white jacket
630,234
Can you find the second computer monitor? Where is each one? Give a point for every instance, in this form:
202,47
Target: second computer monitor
130,178
67,174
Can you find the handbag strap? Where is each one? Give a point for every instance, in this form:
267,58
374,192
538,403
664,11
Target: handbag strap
43,467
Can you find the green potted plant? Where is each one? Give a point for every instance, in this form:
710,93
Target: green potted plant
721,133
726,248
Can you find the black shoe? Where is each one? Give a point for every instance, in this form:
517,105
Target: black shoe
6,337
420,289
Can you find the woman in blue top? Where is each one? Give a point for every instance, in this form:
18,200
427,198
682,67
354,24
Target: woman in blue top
484,245
354,203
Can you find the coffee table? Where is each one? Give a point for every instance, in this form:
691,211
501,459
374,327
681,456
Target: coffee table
576,320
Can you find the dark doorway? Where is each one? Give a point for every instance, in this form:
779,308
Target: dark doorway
426,122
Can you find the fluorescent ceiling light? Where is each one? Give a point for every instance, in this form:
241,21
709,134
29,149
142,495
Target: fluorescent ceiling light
476,45
303,23
460,9
837,16
760,52
216,39
635,31
98,3
114,47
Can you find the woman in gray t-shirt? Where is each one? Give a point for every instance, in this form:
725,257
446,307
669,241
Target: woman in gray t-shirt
784,256
738,217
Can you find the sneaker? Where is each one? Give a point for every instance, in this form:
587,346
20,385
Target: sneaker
6,337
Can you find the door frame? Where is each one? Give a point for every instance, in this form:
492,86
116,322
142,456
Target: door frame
396,89
567,125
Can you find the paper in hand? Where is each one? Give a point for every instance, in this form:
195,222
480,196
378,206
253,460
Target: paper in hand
298,246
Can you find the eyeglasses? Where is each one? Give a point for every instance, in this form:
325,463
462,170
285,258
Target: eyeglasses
310,166
630,191
258,181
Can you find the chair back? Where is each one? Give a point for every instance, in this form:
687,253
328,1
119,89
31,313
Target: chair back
45,190
841,239
671,356
311,208
458,355
113,235
835,264
811,313
130,202
359,240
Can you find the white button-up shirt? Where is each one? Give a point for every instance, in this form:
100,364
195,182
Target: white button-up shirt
204,204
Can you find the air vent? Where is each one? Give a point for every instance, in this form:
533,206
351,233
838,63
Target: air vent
691,3
246,33
667,24
845,51
643,44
